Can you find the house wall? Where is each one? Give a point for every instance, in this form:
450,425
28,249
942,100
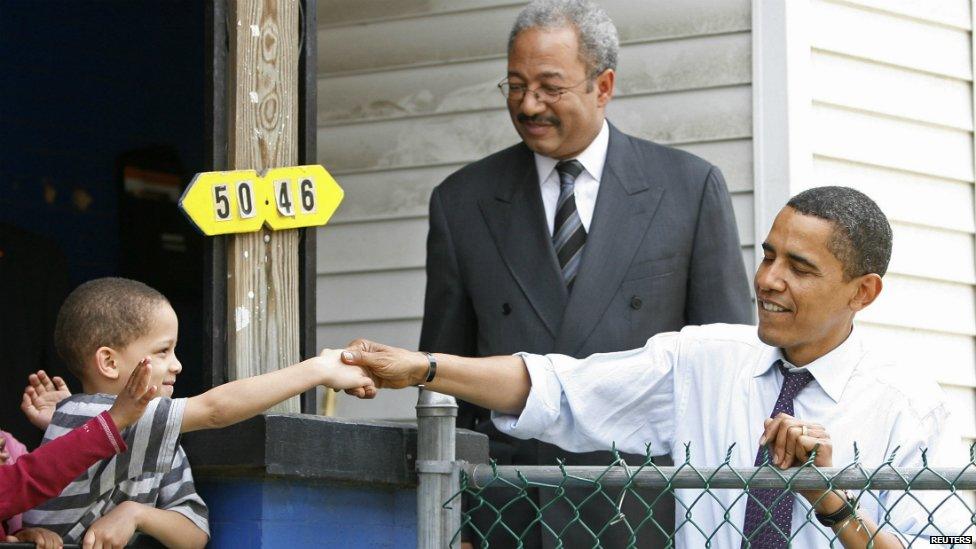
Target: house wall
407,95
891,114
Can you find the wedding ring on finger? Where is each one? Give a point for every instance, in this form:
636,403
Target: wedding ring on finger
804,430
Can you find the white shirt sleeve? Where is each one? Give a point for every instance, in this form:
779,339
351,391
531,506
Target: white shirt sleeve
624,399
914,516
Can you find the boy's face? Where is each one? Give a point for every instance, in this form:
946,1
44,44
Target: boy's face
159,344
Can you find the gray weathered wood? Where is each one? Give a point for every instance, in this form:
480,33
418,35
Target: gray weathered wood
672,118
262,267
394,244
397,193
403,333
371,296
375,295
343,12
643,68
479,34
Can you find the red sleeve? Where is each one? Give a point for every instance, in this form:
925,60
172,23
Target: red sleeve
43,473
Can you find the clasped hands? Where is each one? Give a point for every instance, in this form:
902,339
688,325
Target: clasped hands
790,442
389,367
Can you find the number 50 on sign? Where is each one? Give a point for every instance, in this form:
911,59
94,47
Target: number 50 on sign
242,201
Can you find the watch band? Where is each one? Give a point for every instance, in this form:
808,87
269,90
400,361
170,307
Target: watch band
431,367
845,512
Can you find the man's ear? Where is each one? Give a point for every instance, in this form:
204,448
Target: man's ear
867,289
604,87
106,363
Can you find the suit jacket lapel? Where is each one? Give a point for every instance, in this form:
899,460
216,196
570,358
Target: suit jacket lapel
516,220
625,205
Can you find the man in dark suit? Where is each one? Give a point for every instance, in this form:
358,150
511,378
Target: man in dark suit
578,240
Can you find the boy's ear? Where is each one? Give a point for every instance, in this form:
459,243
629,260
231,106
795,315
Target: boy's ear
106,363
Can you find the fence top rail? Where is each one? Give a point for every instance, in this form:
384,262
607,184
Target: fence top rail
852,477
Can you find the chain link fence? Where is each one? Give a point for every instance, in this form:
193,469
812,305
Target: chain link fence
932,501
506,506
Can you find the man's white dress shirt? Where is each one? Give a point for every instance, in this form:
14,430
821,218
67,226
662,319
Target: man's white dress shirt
587,183
712,387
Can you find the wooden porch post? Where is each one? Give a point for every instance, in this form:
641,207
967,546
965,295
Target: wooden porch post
263,267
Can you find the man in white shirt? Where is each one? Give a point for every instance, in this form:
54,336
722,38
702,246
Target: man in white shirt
718,385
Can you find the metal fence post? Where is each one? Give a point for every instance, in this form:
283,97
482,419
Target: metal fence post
437,472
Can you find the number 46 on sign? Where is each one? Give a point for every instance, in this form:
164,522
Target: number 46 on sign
242,201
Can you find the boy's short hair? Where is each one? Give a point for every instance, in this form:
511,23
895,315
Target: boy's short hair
105,312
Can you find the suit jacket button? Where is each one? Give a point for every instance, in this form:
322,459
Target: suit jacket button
506,309
636,303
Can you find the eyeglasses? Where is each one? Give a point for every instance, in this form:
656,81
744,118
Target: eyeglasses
543,94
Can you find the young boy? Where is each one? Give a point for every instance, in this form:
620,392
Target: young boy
104,329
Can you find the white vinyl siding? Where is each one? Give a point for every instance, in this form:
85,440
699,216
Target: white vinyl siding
892,115
406,95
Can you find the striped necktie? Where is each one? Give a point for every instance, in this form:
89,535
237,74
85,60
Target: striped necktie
774,532
568,235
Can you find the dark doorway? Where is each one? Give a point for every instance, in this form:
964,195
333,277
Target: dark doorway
102,109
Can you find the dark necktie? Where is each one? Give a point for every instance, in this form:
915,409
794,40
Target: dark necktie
763,499
568,235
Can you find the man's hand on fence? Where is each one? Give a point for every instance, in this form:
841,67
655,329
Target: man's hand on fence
792,440
390,367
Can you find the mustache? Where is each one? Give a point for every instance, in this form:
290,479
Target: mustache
538,119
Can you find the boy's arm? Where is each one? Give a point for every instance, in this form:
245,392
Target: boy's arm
239,400
170,528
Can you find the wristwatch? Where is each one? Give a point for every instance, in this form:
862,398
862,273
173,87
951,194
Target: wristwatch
845,512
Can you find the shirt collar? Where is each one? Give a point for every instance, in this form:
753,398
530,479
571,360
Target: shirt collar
592,158
832,371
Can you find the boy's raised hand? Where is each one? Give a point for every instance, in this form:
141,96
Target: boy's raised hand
132,401
41,397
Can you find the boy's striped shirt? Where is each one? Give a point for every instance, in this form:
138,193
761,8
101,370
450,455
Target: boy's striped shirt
154,471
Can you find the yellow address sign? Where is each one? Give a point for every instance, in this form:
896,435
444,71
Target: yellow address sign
242,201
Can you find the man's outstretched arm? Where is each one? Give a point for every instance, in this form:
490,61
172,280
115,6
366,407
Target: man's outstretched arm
570,398
499,383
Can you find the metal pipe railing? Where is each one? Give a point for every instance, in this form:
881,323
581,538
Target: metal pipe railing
797,478
438,472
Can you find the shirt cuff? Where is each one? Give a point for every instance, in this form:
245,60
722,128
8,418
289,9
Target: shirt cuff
542,405
105,421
